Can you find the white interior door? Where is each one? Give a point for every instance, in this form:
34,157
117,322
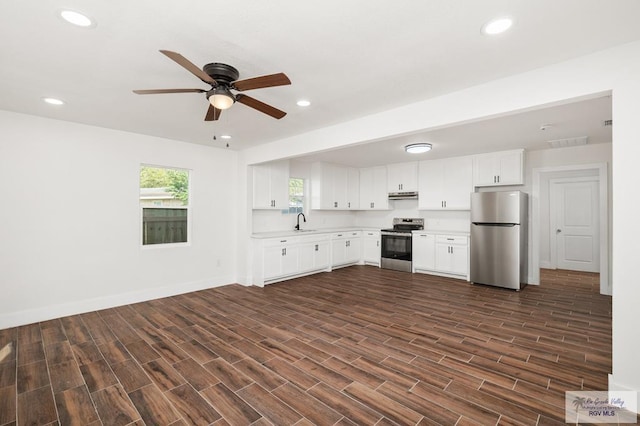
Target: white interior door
575,231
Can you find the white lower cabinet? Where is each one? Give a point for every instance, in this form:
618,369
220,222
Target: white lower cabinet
423,252
452,254
441,254
346,248
371,248
280,257
314,253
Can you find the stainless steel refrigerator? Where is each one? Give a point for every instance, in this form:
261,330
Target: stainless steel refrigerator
499,255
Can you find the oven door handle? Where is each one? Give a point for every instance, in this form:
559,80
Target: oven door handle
396,234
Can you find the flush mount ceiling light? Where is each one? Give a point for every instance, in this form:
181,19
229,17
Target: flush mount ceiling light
303,103
225,137
53,101
418,148
497,26
77,18
221,97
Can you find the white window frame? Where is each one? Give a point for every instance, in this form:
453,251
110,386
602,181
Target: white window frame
187,207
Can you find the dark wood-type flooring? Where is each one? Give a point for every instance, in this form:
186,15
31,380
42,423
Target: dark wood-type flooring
360,345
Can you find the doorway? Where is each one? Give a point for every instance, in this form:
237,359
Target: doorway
541,223
574,224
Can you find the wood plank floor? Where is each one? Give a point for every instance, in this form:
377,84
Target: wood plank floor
360,345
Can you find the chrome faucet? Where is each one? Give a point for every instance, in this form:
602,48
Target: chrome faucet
298,220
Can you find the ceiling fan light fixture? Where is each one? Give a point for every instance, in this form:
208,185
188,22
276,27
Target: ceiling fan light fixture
418,148
221,97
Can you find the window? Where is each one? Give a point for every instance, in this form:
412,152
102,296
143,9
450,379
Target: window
296,196
164,201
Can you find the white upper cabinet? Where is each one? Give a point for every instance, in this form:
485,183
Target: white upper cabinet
334,187
373,188
499,168
271,185
402,177
445,184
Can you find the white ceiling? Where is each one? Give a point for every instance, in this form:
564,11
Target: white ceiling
349,58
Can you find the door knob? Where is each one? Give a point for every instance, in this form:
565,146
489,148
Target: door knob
558,231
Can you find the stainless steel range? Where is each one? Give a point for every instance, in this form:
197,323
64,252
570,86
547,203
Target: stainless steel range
396,243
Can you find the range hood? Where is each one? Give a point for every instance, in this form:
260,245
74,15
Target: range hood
411,195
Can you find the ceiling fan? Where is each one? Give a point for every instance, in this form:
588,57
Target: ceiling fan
223,78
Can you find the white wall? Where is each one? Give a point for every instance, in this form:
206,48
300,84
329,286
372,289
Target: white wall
615,71
70,219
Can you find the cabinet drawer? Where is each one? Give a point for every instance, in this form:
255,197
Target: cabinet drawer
271,242
451,239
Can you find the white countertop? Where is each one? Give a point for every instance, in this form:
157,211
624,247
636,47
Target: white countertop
293,232
441,232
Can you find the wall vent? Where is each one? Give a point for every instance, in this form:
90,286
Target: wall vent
563,143
607,123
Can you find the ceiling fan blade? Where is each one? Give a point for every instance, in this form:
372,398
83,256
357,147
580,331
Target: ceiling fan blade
159,91
271,80
189,66
213,113
260,106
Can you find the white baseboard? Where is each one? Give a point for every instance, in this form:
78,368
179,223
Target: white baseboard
545,264
30,316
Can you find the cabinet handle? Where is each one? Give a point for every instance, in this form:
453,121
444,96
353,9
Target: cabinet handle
316,247
349,204
451,239
346,243
372,205
335,204
283,241
377,243
284,251
445,204
498,178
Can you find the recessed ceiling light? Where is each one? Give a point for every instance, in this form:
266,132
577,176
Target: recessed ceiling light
418,148
497,26
303,103
53,101
77,18
225,137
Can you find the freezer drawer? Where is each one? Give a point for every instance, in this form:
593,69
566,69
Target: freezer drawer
495,255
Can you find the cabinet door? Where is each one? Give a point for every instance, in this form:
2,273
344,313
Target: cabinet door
353,189
339,184
354,248
279,182
262,187
273,262
402,177
290,260
459,260
424,255
371,247
338,251
430,186
321,252
457,183
444,262
510,168
271,185
499,168
380,195
485,170
306,256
